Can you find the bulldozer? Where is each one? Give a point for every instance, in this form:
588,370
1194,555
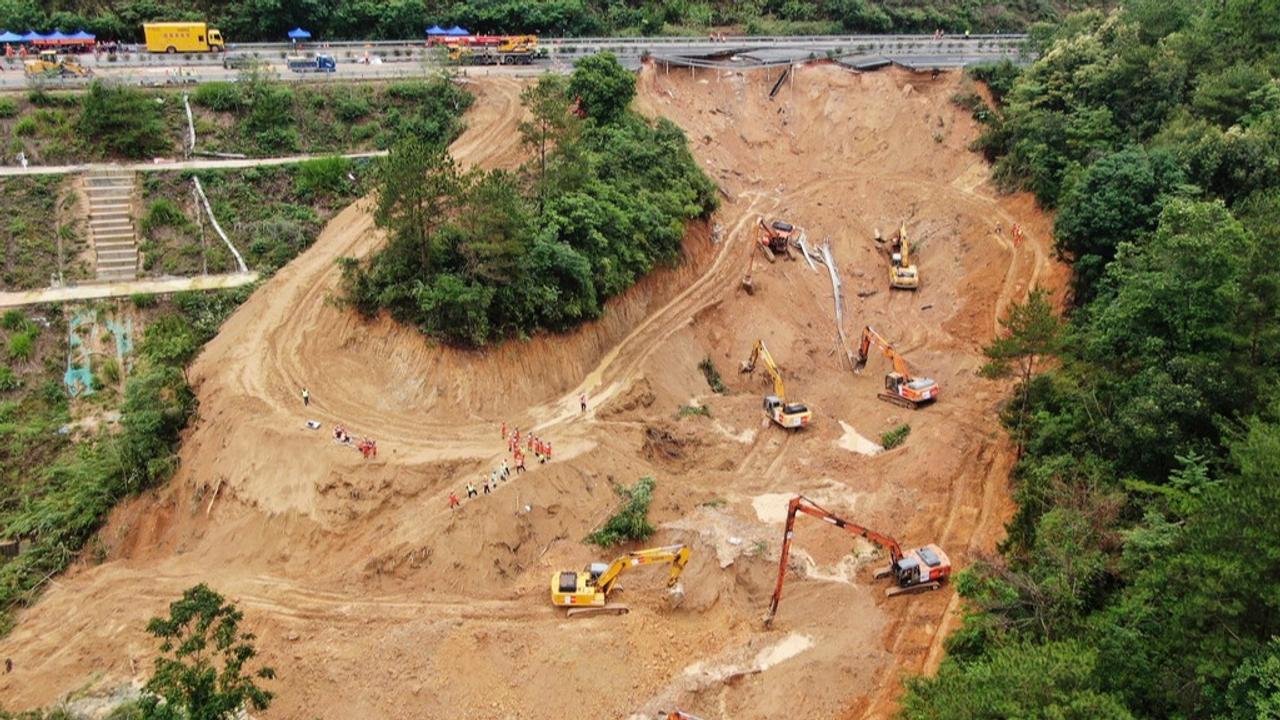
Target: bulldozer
902,274
587,592
900,386
49,65
924,568
776,238
792,416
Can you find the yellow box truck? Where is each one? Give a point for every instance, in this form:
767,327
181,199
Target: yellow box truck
186,37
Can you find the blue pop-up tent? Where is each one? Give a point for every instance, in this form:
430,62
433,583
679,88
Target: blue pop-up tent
456,31
436,30
31,36
82,36
299,34
10,37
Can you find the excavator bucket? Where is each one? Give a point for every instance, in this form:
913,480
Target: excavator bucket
675,595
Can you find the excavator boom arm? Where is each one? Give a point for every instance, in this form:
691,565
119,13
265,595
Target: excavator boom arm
802,504
871,337
677,555
760,352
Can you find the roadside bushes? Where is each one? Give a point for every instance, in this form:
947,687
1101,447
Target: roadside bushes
123,122
219,96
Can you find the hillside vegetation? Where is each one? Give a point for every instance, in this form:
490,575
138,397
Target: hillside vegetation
1141,575
256,20
480,256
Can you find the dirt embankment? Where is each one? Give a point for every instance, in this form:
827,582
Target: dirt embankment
372,599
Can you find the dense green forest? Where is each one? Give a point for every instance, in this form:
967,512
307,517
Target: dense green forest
480,256
255,20
1141,575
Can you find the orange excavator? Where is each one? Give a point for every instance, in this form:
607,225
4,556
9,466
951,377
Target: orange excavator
901,388
921,569
776,237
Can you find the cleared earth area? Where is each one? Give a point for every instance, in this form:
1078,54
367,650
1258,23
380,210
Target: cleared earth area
372,599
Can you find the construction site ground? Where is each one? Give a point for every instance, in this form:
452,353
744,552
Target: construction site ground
372,599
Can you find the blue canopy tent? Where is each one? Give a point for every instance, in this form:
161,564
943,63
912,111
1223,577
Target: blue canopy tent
82,36
436,30
31,36
456,31
10,37
57,37
299,34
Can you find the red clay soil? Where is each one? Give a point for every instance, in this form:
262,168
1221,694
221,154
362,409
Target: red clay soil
372,599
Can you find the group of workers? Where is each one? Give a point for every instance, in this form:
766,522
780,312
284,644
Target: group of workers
540,448
368,447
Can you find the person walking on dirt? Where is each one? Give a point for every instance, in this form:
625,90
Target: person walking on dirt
306,398
582,400
504,429
453,500
486,487
546,454
506,470
519,462
471,490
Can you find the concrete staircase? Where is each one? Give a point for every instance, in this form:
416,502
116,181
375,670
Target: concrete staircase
115,244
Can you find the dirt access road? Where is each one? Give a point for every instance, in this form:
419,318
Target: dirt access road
373,600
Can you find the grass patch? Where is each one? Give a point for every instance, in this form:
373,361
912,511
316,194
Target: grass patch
895,437
693,411
631,522
709,371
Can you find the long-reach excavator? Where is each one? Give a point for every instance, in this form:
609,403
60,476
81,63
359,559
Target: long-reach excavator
775,238
901,388
902,274
921,569
586,592
792,416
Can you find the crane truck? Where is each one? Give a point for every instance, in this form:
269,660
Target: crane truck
902,274
791,416
901,387
495,50
924,568
587,592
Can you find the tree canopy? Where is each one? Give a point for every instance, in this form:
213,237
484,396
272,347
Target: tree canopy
475,257
1140,577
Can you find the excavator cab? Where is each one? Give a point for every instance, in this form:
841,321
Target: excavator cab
775,239
792,416
925,566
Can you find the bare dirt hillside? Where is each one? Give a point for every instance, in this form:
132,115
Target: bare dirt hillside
372,599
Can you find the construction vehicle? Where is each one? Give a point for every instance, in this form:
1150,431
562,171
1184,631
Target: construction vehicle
587,592
495,50
776,238
924,568
319,63
791,416
48,65
185,37
902,274
901,388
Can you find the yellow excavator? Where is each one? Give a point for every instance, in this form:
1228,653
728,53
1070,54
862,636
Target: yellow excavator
901,387
902,274
587,592
791,416
49,65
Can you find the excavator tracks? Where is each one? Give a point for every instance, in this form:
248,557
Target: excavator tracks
899,401
589,611
912,589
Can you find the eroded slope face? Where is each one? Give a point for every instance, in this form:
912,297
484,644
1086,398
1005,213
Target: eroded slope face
371,598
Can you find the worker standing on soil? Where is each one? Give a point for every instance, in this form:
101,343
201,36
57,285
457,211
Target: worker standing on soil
306,398
519,462
582,400
506,470
546,455
486,487
471,490
453,500
504,429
